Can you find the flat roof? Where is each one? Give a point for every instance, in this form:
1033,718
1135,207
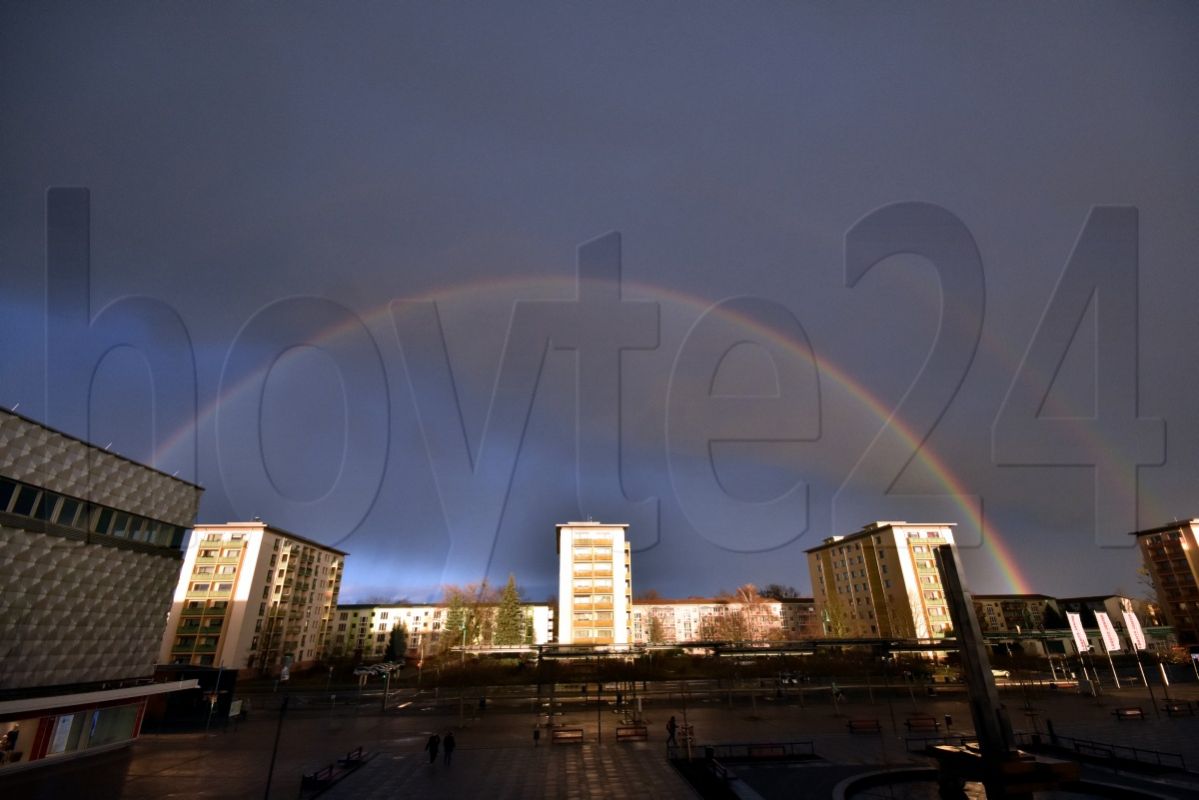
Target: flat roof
267,528
871,528
716,601
93,446
1173,526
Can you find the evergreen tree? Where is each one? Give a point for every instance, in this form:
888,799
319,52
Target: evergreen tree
509,625
397,643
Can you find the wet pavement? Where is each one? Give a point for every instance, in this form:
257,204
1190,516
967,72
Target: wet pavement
496,757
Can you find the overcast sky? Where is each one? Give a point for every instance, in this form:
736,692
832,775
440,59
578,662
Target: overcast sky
930,262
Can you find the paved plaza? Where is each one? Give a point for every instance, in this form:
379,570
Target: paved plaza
496,757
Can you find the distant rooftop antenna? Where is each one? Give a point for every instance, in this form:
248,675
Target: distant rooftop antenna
15,407
107,446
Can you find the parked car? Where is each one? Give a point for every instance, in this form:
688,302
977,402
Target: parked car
1001,673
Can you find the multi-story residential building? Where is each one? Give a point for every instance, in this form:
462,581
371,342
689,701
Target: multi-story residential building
882,581
252,597
1012,612
89,554
707,619
1171,555
595,587
361,630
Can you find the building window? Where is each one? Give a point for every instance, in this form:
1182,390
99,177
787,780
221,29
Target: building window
200,587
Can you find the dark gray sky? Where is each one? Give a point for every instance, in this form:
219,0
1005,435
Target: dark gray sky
288,178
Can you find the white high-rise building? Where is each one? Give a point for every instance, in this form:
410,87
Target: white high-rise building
882,581
595,586
253,597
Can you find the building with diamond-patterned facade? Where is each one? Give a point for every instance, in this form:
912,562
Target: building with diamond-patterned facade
89,555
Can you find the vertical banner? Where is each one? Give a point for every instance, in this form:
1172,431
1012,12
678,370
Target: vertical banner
1080,635
1134,630
1108,631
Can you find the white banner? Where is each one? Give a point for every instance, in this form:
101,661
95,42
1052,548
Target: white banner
1108,631
1134,630
1080,636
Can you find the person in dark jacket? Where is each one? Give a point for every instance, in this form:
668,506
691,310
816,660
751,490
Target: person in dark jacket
449,744
432,746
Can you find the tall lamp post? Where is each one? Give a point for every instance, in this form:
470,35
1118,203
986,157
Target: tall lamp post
462,677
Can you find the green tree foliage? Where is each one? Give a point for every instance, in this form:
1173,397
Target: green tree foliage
397,643
474,604
510,618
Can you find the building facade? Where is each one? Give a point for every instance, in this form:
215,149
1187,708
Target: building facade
595,586
724,619
1171,556
1014,613
253,598
362,630
89,555
882,581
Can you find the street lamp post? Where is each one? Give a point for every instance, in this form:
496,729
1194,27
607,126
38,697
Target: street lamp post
462,678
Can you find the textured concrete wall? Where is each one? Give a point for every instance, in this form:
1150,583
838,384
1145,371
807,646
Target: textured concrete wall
46,458
71,612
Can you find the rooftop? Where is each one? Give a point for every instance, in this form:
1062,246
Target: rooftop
90,445
266,528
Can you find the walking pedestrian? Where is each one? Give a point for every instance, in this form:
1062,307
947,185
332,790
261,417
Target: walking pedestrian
449,744
432,746
536,735
671,727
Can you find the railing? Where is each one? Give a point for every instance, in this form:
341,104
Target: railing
745,751
918,744
1108,750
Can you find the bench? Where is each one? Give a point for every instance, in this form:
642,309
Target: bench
321,777
1131,712
632,733
353,758
923,723
336,771
864,726
567,735
1179,709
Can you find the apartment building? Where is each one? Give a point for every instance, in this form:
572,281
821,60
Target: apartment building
715,618
89,555
882,581
362,630
1002,613
1170,553
595,587
253,598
